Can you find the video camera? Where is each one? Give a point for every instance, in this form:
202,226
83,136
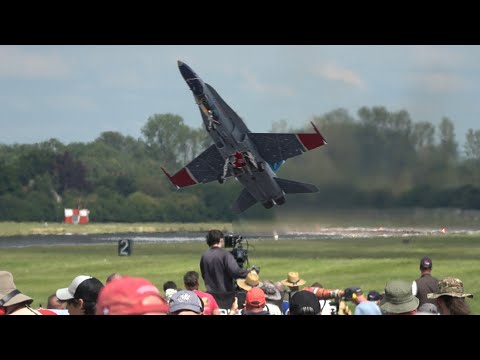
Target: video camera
239,252
231,241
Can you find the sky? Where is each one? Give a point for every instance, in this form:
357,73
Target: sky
75,92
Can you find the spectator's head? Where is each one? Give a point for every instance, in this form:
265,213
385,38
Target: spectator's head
169,288
54,303
399,298
425,263
169,285
9,294
190,280
252,280
113,276
185,302
427,309
271,291
131,296
450,286
214,237
293,280
81,295
374,296
255,298
353,293
451,297
304,303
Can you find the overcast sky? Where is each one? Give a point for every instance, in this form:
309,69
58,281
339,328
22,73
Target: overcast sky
74,93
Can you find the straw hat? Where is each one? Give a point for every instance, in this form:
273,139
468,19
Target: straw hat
293,279
250,281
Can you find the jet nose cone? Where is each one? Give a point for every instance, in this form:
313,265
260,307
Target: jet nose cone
179,63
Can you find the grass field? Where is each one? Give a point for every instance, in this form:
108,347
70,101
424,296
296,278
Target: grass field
335,263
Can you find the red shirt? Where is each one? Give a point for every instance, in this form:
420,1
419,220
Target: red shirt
209,302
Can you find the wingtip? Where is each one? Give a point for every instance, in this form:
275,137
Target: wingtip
165,172
318,132
169,177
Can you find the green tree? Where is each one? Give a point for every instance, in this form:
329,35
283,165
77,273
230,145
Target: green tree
69,173
472,145
167,138
448,145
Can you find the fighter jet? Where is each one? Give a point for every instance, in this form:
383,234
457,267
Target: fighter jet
252,158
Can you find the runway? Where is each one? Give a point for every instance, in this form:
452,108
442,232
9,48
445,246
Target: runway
281,234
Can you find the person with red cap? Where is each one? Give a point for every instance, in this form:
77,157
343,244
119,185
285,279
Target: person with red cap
255,302
131,296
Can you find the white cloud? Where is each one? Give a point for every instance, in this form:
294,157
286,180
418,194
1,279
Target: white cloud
256,85
335,72
441,82
26,63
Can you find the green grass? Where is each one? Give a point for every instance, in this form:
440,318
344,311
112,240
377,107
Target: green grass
335,263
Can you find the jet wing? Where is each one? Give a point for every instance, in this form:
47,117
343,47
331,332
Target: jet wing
276,147
205,168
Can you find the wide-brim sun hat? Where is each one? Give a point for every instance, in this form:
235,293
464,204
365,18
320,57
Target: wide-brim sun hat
9,292
252,280
399,298
271,291
293,279
450,286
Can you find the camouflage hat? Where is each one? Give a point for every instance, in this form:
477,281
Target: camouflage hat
450,286
398,298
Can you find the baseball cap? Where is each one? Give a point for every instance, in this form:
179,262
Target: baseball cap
185,300
130,296
69,293
425,263
255,297
304,303
374,296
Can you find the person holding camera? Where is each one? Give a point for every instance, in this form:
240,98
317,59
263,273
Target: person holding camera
219,270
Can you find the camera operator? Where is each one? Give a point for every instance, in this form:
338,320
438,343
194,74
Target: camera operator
219,270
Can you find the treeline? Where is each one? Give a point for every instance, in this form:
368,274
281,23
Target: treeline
378,159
